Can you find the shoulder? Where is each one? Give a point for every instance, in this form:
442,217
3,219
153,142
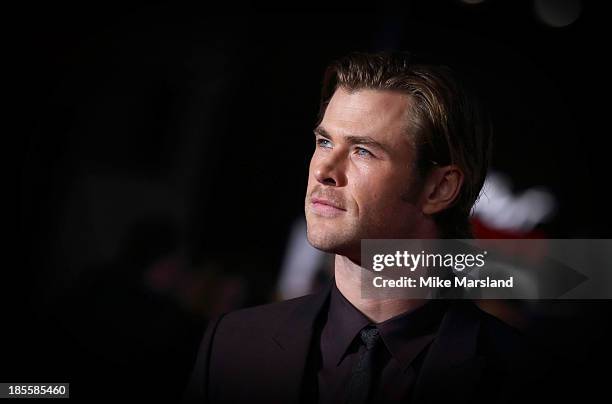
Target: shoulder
510,347
263,318
486,334
489,324
497,336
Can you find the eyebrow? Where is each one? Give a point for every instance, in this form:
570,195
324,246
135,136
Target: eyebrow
353,139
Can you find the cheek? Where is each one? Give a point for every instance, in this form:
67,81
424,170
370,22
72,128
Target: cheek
368,193
374,185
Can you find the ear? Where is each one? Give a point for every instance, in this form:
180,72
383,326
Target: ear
441,189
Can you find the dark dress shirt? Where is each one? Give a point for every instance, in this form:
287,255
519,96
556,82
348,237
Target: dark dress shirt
405,339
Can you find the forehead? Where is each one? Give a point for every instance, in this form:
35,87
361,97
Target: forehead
379,113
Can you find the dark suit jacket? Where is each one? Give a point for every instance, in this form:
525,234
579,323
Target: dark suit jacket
260,355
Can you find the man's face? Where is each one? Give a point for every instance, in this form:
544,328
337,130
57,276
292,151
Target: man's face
361,172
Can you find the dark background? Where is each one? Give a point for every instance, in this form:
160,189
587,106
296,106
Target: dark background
163,151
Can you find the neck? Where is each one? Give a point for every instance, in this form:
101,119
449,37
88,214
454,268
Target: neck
348,281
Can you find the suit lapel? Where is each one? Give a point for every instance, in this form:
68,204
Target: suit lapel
450,371
293,339
451,368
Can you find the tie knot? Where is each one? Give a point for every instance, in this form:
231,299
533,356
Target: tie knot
370,336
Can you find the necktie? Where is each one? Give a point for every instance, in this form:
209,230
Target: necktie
361,380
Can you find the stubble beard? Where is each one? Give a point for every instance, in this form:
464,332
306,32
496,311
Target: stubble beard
335,238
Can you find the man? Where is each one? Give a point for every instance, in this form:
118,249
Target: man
401,151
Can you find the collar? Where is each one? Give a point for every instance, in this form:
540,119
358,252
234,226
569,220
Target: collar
404,335
344,322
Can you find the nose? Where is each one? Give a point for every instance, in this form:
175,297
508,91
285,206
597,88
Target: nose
329,169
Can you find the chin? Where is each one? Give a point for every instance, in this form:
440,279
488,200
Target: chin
332,241
320,240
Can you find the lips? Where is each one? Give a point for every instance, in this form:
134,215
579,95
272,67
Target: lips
326,202
325,207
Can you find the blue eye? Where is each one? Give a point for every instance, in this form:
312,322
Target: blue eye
363,152
324,143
